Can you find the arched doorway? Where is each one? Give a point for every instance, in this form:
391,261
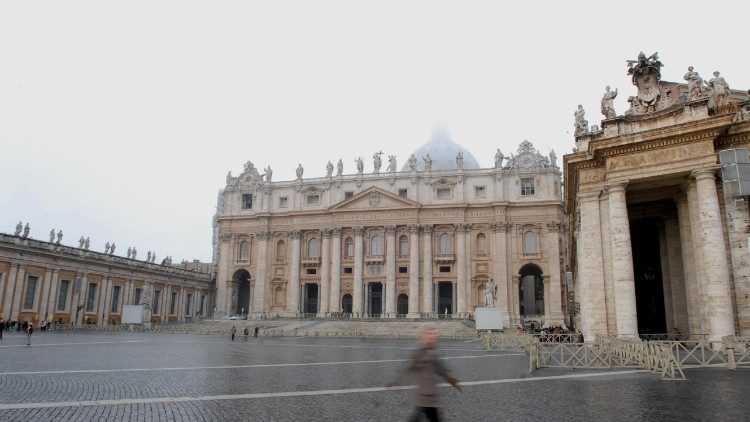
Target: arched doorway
242,279
346,304
531,291
402,304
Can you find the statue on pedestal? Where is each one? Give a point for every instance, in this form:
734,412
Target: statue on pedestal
460,161
490,290
59,236
695,84
719,91
87,243
269,173
112,249
26,230
412,163
51,235
391,164
553,158
340,167
329,169
581,124
499,157
427,163
608,108
300,171
377,162
19,228
360,165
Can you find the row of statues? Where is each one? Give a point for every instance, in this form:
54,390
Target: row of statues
109,249
84,243
21,228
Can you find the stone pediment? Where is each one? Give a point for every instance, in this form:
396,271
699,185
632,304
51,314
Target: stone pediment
374,198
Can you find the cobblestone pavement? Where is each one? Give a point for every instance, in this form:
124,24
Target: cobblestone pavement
147,376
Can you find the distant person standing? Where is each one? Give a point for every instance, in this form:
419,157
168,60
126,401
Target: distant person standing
2,328
233,331
29,332
427,367
246,331
256,331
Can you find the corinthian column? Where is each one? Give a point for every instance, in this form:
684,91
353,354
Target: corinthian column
622,262
335,304
359,249
413,271
590,289
325,272
461,268
716,292
261,276
555,291
390,271
292,304
427,285
499,250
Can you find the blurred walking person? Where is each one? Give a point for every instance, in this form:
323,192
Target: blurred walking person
29,332
246,332
2,328
233,331
427,367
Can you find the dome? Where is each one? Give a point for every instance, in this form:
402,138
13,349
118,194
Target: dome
443,152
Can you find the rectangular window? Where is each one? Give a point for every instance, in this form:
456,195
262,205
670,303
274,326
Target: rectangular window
480,192
91,297
527,186
62,295
313,199
283,202
348,270
348,194
349,250
445,269
188,302
157,301
443,193
403,270
115,299
247,201
137,298
403,193
28,297
173,303
311,271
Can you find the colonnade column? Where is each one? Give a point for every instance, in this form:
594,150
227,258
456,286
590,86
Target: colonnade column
390,271
292,304
499,250
359,250
676,275
10,285
325,272
414,271
221,277
427,284
19,283
689,266
738,219
261,276
622,262
716,291
590,289
335,304
461,268
43,300
555,290
53,289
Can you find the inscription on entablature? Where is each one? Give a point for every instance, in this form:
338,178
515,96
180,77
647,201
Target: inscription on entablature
480,213
374,216
660,156
591,175
311,219
443,213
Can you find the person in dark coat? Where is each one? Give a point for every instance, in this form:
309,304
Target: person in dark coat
233,331
2,328
256,331
427,368
246,332
29,332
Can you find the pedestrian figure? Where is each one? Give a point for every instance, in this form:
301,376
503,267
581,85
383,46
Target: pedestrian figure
2,328
255,332
247,333
29,332
427,367
234,331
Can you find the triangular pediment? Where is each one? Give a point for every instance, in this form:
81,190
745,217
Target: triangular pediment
374,198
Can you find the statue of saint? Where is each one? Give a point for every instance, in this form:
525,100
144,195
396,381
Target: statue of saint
490,289
87,243
59,236
229,177
26,230
391,164
413,162
329,169
81,241
19,227
269,173
608,107
51,235
427,162
112,249
695,84
135,252
130,252
719,91
553,158
148,256
340,167
377,162
360,165
581,124
499,157
300,171
106,247
460,161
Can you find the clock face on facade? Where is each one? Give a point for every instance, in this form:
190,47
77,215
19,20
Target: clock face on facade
526,159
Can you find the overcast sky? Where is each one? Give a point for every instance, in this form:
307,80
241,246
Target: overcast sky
119,120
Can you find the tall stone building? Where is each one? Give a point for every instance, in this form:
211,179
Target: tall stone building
423,240
658,245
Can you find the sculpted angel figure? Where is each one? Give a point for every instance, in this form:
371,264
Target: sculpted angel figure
340,167
413,162
427,162
581,124
608,108
360,165
391,163
695,84
329,169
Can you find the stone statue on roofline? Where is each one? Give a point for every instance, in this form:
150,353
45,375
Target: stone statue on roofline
581,124
106,248
19,228
112,249
553,158
51,235
81,241
460,161
300,171
695,84
329,169
87,243
412,163
391,164
499,157
135,252
427,162
340,167
26,230
360,165
719,91
268,173
377,162
130,251
59,236
608,108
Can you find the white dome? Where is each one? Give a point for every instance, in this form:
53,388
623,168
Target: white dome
443,152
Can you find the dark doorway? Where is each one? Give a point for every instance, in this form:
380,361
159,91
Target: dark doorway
402,304
346,304
649,293
311,298
531,291
375,302
242,278
445,298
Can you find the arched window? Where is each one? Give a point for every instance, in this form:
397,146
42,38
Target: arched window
403,245
376,245
348,247
481,243
312,248
244,250
446,245
529,243
280,249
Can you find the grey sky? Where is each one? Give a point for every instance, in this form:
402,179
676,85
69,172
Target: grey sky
119,120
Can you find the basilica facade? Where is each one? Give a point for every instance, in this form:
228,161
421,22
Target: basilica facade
419,241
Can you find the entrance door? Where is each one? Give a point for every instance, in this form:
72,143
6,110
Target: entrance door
445,298
346,304
402,305
375,293
649,292
311,298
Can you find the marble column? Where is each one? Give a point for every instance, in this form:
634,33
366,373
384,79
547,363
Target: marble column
516,299
622,262
590,289
43,300
81,300
335,304
676,275
20,283
689,267
554,314
414,271
53,292
716,290
390,271
427,265
666,280
700,267
107,284
499,251
292,304
222,278
261,276
461,267
325,272
359,250
10,286
738,220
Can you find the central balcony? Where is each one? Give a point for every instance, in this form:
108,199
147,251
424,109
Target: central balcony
444,258
374,259
310,261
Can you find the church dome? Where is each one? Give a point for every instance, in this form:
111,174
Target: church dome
443,152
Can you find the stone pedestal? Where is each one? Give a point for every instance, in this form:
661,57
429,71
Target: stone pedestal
488,318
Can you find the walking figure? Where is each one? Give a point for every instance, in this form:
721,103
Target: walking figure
255,334
29,332
2,328
427,368
234,331
246,332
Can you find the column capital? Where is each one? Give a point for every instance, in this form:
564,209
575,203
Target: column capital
326,233
390,230
359,231
225,237
554,226
704,173
463,227
295,234
588,196
428,229
264,234
414,228
501,227
616,186
336,231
